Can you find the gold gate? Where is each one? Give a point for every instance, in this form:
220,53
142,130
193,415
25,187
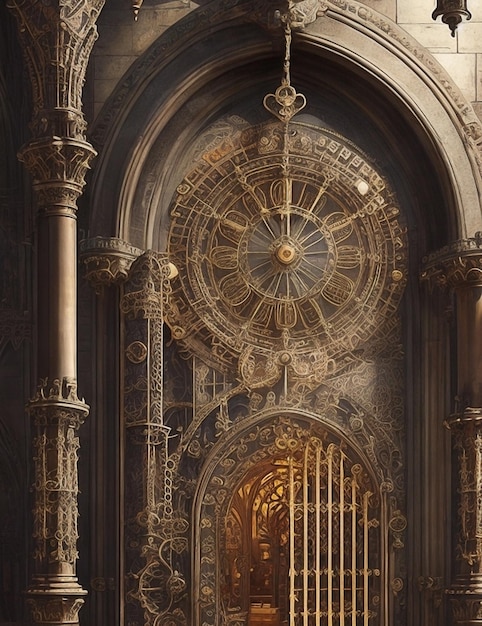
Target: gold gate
303,541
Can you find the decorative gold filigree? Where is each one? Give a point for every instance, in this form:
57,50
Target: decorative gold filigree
259,446
285,102
293,255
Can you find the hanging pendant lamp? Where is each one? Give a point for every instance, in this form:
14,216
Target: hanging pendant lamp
452,12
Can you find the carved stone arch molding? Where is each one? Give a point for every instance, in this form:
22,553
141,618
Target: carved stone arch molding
226,53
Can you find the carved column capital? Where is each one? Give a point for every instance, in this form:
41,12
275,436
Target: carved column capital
107,260
57,39
458,264
54,610
58,167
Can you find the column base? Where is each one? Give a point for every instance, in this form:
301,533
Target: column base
465,597
55,600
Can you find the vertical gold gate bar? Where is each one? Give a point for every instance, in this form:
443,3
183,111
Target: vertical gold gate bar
353,551
366,495
330,535
318,537
342,539
305,537
292,572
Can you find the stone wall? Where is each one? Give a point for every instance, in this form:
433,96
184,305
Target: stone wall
461,55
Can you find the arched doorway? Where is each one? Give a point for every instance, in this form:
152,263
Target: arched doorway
295,530
303,533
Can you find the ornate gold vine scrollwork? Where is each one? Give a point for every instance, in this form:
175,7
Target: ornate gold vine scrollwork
269,443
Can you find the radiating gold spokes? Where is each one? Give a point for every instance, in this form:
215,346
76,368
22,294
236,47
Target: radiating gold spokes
287,266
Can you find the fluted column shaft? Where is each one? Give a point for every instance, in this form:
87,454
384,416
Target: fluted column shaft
57,38
459,267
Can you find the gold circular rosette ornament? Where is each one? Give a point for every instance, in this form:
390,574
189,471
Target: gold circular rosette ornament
289,249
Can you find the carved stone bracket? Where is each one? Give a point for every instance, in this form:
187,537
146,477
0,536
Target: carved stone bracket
107,260
457,264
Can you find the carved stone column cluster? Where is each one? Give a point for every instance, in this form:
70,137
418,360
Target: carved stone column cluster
57,38
460,267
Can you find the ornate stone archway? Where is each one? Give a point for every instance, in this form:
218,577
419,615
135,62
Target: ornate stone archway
158,194
281,438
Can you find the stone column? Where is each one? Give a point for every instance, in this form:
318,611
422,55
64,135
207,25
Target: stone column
106,261
57,38
150,578
460,267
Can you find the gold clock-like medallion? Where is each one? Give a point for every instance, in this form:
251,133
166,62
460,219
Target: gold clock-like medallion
285,238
